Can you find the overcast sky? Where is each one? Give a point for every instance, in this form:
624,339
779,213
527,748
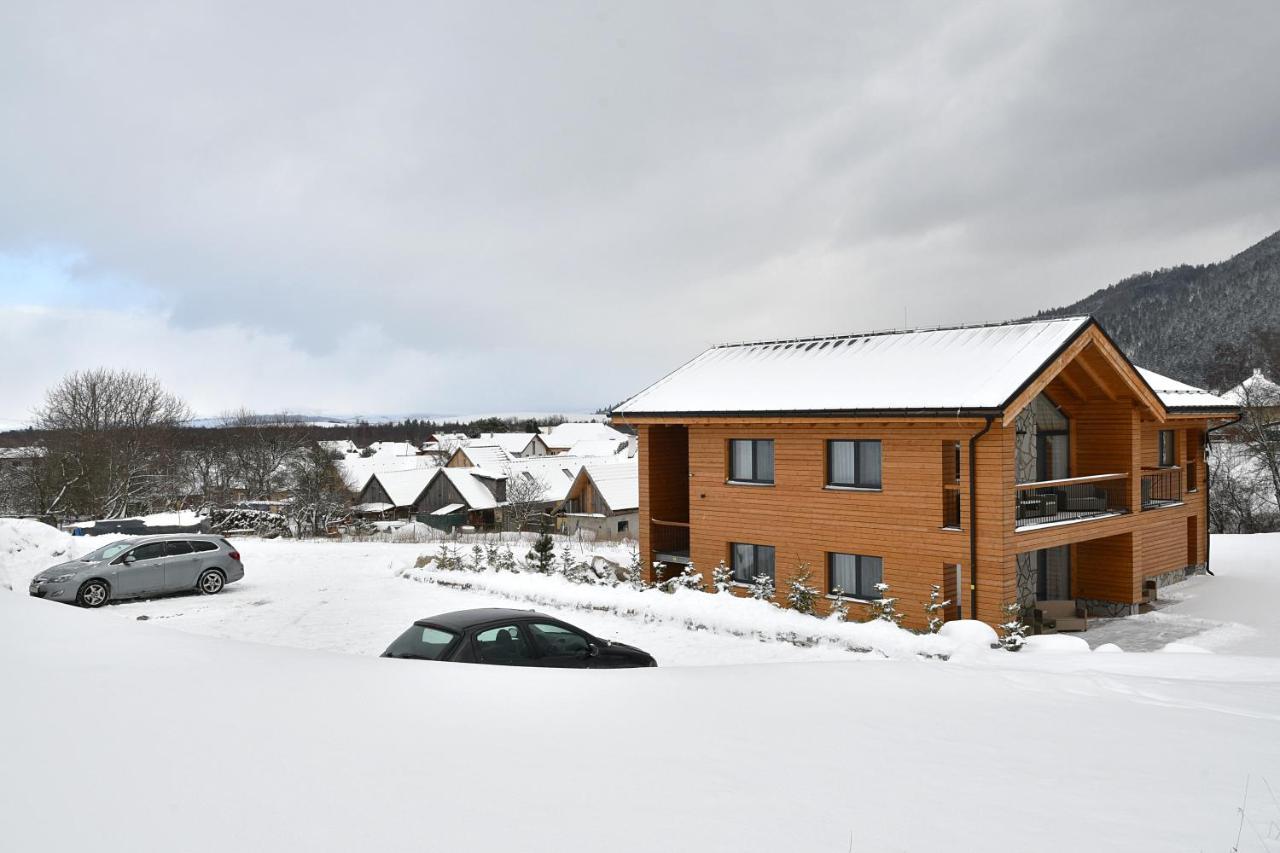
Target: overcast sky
471,208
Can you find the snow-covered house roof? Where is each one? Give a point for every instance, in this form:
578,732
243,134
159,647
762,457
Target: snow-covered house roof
962,368
404,487
27,452
356,470
393,448
1254,390
598,447
489,456
474,492
515,443
343,445
1178,396
618,484
556,473
564,436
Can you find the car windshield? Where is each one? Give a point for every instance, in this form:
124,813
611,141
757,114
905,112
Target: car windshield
421,642
106,552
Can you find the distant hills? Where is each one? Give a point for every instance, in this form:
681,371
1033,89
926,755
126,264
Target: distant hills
1208,325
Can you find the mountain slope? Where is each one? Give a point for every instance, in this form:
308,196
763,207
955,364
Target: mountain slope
1206,325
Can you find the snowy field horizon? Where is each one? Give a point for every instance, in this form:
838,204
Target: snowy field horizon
268,705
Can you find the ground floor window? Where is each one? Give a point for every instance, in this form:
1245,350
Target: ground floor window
751,560
855,575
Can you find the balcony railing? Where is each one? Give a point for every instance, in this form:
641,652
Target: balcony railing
670,541
1069,499
1161,488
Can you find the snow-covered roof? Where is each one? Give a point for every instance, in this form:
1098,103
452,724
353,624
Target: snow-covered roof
1178,395
393,448
403,487
619,485
564,436
489,456
598,446
342,445
28,452
1256,389
977,367
449,509
374,506
357,470
471,489
514,443
556,473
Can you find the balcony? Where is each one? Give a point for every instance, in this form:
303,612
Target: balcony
670,542
1161,487
1070,499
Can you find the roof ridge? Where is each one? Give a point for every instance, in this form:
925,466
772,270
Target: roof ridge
884,332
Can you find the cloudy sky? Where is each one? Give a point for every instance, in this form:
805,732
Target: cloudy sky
416,207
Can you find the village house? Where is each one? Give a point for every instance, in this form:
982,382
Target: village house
562,437
1019,464
603,501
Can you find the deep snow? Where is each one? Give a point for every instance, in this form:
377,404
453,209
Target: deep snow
128,735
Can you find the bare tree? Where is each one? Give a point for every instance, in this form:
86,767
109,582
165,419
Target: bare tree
1259,427
1239,493
262,446
526,493
108,444
318,490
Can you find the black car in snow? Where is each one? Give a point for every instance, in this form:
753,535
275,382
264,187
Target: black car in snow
506,637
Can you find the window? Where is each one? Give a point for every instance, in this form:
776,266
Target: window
751,460
150,551
507,644
624,526
421,642
853,464
199,546
855,575
556,641
177,549
1166,448
751,560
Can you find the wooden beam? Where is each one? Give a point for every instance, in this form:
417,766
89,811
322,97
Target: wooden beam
1072,384
1092,373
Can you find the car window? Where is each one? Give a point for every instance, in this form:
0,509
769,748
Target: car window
201,545
107,552
558,641
421,642
507,644
176,549
148,552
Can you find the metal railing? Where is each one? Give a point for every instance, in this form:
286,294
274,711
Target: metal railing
1161,488
1071,498
670,539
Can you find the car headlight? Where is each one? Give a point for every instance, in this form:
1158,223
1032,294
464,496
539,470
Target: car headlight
61,578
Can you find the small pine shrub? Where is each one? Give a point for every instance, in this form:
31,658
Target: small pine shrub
449,560
885,607
478,562
689,578
801,597
1013,631
722,578
935,608
504,560
633,571
839,607
541,557
762,588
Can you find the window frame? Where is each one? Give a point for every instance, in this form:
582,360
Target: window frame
521,630
755,462
1163,436
830,482
853,595
755,561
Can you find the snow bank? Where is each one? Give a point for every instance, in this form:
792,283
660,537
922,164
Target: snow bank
1108,649
27,547
969,636
697,611
1055,644
1185,649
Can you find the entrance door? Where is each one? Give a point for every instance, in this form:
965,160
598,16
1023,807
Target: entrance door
1053,574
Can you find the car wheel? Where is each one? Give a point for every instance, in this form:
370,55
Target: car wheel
93,593
211,582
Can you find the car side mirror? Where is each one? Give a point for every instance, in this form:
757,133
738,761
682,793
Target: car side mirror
593,651
128,559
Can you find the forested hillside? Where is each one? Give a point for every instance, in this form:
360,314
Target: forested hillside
1206,325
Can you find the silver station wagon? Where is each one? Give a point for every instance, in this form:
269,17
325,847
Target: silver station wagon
141,566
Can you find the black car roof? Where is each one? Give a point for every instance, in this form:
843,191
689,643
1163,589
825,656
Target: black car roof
460,620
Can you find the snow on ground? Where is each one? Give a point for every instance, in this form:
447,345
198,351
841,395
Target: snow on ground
302,738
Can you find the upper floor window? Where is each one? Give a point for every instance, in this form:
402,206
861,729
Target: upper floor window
751,460
853,464
1166,448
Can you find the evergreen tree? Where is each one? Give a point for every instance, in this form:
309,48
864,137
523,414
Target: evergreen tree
633,572
689,578
541,558
478,563
839,608
566,559
448,559
1013,631
762,588
935,608
505,561
886,606
801,597
722,578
